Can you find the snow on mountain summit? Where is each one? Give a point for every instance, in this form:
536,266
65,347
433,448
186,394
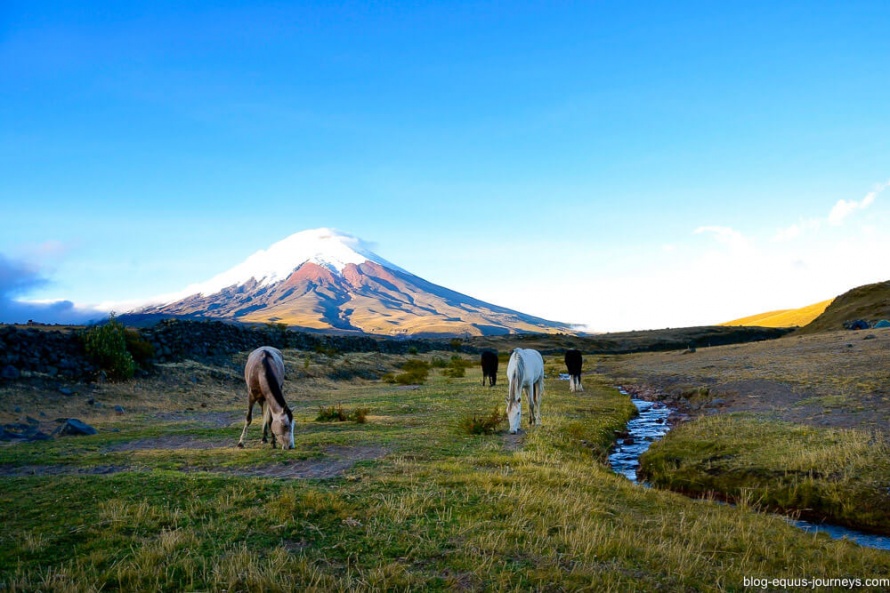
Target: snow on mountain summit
325,247
325,280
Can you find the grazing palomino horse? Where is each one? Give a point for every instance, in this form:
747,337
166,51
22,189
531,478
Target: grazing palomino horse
264,373
573,364
524,371
489,367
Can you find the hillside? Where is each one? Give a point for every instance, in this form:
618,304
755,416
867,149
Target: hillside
870,302
783,317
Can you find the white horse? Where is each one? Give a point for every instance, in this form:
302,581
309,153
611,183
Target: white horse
524,371
264,374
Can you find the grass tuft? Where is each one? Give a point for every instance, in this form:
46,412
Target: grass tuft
482,424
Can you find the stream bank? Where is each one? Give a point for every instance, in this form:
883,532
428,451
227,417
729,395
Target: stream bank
653,422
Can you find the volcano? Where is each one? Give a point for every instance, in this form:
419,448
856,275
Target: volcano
327,280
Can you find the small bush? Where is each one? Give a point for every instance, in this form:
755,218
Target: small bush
106,345
338,414
486,424
438,363
141,349
416,373
331,414
457,367
360,415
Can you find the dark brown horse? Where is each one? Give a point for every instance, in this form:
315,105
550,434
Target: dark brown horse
490,367
264,374
574,362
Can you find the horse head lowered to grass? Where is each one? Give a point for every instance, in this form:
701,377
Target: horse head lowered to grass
525,371
264,374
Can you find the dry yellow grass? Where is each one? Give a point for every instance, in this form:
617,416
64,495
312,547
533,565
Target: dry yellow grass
783,317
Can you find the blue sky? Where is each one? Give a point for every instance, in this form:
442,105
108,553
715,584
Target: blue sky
621,165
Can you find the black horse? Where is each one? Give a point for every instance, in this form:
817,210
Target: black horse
489,367
573,364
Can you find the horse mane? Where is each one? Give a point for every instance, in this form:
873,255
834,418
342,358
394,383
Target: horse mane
274,387
520,364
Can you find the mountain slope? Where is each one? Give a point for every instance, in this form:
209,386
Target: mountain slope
783,317
870,302
326,280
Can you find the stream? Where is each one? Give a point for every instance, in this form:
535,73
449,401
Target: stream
651,424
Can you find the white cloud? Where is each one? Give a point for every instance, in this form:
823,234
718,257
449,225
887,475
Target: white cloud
797,230
845,208
18,278
730,237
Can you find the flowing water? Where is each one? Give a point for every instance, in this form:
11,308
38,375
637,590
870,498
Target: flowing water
651,424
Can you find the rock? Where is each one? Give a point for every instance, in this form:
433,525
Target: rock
119,410
21,432
10,373
74,427
66,391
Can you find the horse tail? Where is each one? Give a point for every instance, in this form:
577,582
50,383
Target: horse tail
274,386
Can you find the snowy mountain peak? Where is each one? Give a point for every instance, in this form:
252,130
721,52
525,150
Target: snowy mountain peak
325,247
323,279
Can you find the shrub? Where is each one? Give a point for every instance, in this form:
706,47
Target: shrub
139,348
457,367
485,424
416,372
106,345
360,415
331,414
438,362
338,414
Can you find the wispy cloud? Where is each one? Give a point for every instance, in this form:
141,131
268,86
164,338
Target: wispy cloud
727,236
17,279
839,213
845,208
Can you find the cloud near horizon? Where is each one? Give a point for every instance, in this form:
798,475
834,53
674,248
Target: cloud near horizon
17,279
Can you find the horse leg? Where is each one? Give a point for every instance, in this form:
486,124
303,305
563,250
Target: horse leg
538,390
578,384
267,417
533,404
247,420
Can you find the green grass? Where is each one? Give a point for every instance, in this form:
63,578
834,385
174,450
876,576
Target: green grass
838,475
440,509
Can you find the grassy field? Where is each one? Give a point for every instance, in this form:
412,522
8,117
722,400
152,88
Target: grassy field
162,500
798,424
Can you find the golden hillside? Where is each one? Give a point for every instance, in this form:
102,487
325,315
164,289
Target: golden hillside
784,317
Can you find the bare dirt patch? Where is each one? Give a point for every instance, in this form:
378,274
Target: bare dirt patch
513,442
170,442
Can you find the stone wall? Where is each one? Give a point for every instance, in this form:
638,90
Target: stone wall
43,351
